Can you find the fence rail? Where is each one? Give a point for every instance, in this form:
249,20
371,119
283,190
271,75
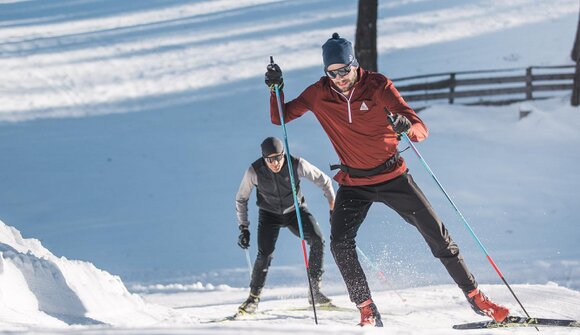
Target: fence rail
506,85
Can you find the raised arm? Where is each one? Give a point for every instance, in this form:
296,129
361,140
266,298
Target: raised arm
292,109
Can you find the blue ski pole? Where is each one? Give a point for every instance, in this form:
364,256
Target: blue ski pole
466,224
296,205
249,262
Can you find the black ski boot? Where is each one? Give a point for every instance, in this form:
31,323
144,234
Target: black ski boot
250,305
319,298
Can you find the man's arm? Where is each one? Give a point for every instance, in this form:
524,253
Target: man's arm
319,178
292,110
395,104
248,183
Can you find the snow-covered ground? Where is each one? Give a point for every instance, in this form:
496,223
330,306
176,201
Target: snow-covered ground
44,294
125,128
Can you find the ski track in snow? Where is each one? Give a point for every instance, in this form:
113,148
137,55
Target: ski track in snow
61,66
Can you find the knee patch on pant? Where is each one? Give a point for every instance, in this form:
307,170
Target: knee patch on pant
343,244
450,251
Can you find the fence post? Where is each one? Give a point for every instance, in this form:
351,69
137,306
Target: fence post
529,83
451,88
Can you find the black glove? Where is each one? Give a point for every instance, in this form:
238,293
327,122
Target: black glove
400,123
330,217
273,76
244,238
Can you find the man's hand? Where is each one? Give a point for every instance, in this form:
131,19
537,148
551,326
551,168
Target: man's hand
273,76
244,238
400,123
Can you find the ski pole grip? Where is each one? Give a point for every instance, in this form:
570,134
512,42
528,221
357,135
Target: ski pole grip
271,59
390,115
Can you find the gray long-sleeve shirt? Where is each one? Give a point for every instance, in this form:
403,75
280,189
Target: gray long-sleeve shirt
304,169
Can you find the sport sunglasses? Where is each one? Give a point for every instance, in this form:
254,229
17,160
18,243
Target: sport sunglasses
343,71
273,159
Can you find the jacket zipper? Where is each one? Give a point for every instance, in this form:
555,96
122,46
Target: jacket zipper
347,102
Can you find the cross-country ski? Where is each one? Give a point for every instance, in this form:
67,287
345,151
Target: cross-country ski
518,321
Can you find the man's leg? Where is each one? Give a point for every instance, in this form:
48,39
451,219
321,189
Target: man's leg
410,202
268,230
350,209
315,240
405,197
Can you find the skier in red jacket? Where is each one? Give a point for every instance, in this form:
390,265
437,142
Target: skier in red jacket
351,103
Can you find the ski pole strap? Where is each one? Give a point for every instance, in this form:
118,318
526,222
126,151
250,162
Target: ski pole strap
387,166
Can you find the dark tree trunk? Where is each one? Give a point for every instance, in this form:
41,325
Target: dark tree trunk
576,48
365,48
575,101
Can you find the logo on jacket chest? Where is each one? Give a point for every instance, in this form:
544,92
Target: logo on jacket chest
364,107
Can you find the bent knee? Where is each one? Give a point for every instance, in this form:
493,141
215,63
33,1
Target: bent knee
342,243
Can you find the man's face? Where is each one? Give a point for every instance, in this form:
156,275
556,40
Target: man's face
343,76
275,161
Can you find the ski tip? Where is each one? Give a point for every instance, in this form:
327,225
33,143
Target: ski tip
239,315
518,321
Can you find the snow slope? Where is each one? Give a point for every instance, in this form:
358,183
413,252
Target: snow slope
193,72
43,294
40,289
125,128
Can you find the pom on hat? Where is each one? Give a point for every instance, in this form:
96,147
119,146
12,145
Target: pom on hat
338,50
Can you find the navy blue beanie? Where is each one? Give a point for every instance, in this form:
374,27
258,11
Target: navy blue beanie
337,50
272,145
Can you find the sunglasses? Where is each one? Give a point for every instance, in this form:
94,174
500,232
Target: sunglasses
273,159
343,71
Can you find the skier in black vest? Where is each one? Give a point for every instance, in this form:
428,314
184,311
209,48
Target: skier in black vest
270,176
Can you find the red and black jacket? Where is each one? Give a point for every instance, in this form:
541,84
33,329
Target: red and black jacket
357,125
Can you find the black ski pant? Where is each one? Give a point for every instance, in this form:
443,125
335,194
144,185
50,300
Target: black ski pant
269,225
404,197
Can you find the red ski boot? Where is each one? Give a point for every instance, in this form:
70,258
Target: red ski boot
369,314
483,306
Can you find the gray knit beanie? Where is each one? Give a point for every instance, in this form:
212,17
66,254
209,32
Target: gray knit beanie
337,50
272,145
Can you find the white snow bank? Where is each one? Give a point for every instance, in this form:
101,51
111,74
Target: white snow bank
42,290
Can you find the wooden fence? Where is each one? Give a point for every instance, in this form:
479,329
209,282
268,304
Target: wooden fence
476,87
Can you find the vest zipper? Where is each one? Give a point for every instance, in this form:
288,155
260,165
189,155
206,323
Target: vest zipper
277,186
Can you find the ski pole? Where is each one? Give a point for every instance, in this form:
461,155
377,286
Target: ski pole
291,172
488,256
249,262
379,272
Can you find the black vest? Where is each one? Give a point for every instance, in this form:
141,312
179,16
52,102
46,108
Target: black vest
274,191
